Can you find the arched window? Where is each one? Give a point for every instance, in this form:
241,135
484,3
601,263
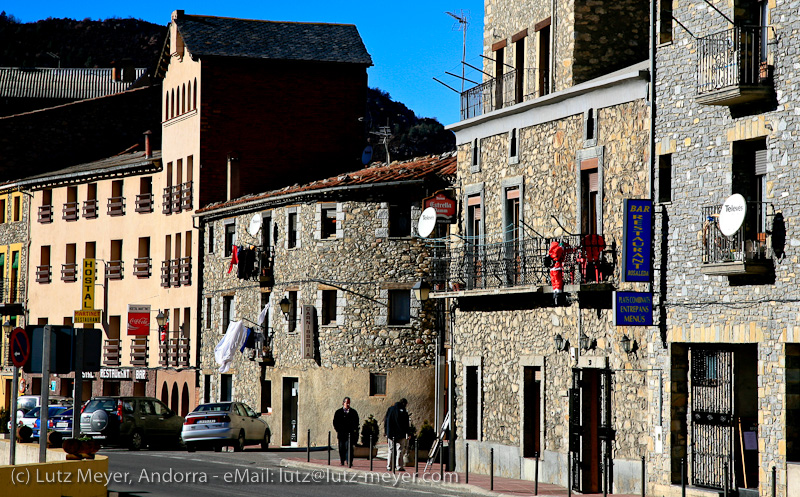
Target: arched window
189,97
166,107
194,95
183,99
172,109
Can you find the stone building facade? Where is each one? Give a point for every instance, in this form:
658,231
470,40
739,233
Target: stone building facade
538,372
346,250
728,317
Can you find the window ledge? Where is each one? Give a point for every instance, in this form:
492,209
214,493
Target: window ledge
409,325
329,325
404,237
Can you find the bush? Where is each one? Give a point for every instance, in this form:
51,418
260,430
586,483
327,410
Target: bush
369,428
5,416
426,436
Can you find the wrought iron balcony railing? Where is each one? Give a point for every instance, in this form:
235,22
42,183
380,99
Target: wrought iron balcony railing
139,351
111,350
12,291
732,66
175,352
45,214
512,88
748,250
144,203
587,259
90,209
70,211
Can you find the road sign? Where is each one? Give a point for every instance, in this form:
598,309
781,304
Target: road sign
20,347
87,316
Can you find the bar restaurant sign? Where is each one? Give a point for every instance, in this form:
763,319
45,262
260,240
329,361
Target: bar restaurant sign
637,246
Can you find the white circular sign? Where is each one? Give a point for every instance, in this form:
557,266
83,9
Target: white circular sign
731,216
255,224
427,221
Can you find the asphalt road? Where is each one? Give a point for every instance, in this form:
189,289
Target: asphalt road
177,473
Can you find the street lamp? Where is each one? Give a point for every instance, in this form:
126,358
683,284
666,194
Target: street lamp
586,342
161,319
7,327
627,344
285,305
561,344
421,290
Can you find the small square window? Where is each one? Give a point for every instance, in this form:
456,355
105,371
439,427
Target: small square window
227,312
210,238
291,230
377,384
665,178
399,307
328,222
328,306
400,220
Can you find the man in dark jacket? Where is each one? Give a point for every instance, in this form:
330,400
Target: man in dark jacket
396,426
345,422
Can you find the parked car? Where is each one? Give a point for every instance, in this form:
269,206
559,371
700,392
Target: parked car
25,403
33,421
134,422
62,423
224,424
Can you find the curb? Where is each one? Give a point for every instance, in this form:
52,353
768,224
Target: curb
462,487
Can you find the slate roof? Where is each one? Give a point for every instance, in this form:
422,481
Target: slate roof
442,166
255,39
61,83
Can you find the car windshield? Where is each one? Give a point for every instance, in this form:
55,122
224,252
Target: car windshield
27,403
33,413
65,413
221,407
108,405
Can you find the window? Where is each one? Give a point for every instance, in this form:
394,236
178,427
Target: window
512,146
377,384
225,388
144,200
114,265
227,311
70,210
69,271
665,178
266,396
327,222
230,238
291,230
43,270
474,217
141,266
589,196
499,71
543,29
90,204
90,250
210,238
17,213
471,402
665,21
328,306
399,307
208,312
45,210
476,156
749,170
400,219
293,314
531,411
116,203
3,210
589,126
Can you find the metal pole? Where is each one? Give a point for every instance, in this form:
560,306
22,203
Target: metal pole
536,476
569,474
45,394
491,469
605,475
466,462
441,459
683,477
308,446
329,448
644,476
774,482
370,452
77,396
725,475
416,455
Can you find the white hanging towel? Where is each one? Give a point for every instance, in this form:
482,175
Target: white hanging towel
229,345
263,315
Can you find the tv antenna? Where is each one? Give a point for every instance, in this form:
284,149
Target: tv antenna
461,24
384,132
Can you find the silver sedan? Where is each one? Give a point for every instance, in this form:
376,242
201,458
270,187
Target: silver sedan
221,424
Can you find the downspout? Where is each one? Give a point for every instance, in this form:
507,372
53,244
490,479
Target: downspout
553,31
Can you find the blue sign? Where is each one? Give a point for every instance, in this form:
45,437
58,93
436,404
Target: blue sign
637,247
633,309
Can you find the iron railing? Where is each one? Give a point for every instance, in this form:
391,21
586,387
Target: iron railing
69,272
115,270
45,214
70,211
521,262
116,206
751,242
185,271
90,209
139,351
512,88
43,273
733,57
186,196
111,350
175,352
144,203
142,267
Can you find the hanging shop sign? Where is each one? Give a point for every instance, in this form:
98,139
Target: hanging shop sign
637,247
633,309
87,290
307,332
138,320
445,207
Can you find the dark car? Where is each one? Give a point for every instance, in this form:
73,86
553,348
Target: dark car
134,422
52,411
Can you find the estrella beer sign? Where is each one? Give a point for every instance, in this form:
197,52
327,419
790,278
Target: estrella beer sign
444,204
637,248
138,320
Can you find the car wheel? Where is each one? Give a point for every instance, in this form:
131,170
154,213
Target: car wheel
217,448
137,442
265,441
239,443
191,447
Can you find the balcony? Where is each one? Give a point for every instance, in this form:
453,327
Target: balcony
69,272
186,190
13,292
748,251
139,351
43,274
114,270
142,267
116,206
90,209
111,349
166,270
70,211
174,272
177,198
45,214
144,203
732,67
522,265
185,271
175,353
512,88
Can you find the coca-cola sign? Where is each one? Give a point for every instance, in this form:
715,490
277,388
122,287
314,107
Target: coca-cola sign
138,320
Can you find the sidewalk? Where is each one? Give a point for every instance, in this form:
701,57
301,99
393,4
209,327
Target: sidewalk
478,484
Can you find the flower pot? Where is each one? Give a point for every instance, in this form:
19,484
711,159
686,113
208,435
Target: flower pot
54,439
89,448
71,445
363,451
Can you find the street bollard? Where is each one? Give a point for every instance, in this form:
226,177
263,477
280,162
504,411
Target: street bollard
491,469
644,478
370,452
725,475
683,477
774,482
308,447
441,460
349,450
536,476
569,474
329,448
416,456
466,462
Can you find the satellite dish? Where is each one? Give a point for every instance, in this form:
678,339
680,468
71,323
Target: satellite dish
427,221
366,155
255,224
731,216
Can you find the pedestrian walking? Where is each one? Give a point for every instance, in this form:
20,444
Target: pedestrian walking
345,422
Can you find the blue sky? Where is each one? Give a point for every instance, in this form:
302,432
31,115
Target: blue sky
410,42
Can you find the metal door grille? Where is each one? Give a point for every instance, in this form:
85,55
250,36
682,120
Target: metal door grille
712,416
575,431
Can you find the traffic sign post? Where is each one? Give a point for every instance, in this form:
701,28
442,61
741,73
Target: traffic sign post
20,347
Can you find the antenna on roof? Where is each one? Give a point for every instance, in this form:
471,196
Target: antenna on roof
462,23
384,132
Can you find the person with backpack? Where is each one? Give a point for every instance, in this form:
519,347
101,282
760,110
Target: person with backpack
396,427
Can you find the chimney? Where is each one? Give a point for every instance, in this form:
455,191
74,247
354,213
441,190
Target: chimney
148,147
